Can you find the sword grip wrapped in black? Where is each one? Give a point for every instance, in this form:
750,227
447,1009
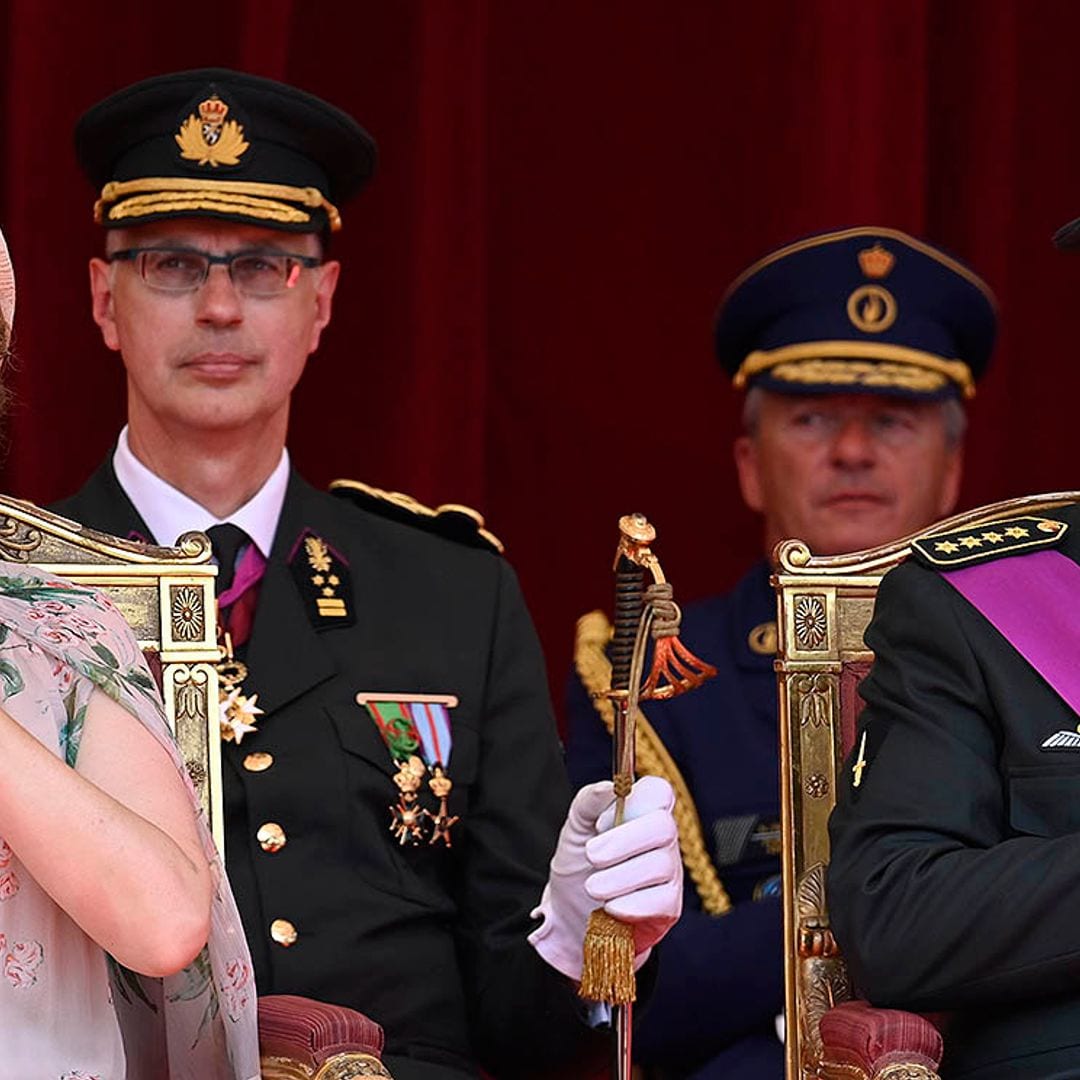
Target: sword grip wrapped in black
629,603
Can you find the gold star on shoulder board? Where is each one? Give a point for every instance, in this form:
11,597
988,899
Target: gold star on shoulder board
988,540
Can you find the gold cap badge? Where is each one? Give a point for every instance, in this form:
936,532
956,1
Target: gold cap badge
871,309
208,139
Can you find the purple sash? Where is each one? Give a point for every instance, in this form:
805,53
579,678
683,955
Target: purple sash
1033,601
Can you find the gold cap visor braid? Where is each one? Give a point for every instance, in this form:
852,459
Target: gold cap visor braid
836,362
280,203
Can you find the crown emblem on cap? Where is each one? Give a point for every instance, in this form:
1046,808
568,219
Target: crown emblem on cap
208,138
213,111
876,262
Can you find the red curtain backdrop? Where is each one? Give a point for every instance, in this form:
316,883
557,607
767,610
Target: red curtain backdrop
565,189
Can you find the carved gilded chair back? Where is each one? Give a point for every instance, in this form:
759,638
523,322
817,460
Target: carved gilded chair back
167,597
824,604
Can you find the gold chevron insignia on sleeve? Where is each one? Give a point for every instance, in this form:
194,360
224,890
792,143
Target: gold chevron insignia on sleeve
452,520
980,543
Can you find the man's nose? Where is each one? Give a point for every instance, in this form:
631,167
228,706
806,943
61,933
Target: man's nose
218,301
854,445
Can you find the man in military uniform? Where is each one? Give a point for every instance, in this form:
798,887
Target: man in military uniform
393,781
855,349
955,850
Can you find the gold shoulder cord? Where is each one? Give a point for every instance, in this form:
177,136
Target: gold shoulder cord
653,759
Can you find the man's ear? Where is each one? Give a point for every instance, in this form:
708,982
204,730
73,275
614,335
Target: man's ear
101,297
746,464
324,299
950,488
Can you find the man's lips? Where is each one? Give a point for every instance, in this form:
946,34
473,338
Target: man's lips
218,365
855,499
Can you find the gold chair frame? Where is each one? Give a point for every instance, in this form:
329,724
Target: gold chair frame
167,597
824,604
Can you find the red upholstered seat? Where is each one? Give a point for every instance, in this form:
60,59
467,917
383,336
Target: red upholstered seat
856,1035
310,1033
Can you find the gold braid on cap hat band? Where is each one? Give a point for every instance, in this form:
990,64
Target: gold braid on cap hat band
837,362
174,194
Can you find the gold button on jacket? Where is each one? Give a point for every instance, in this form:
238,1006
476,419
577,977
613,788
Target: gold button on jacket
258,762
283,932
271,836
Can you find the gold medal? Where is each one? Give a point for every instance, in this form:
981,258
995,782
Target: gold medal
237,711
443,821
408,820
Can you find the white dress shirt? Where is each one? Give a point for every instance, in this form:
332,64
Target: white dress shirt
168,512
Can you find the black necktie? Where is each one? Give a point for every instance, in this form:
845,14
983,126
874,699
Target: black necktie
226,541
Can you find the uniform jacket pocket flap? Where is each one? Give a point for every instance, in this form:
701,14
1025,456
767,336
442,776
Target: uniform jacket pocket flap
359,735
1045,805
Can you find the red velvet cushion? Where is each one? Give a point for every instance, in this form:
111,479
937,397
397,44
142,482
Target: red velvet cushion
856,1033
312,1031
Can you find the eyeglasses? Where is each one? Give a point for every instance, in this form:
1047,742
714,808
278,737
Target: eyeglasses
180,270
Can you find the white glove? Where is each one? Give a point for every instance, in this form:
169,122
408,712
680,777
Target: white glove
634,872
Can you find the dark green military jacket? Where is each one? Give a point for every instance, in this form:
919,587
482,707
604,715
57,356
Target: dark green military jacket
955,874
429,942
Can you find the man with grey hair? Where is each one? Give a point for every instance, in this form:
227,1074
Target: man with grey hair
856,349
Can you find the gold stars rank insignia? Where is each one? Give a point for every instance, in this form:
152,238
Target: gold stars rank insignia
324,581
980,543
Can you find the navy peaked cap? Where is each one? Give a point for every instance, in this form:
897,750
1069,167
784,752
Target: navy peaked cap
862,310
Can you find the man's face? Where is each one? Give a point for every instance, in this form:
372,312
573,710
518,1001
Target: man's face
847,471
213,360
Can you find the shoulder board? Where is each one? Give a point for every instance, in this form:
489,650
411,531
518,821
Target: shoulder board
975,544
451,520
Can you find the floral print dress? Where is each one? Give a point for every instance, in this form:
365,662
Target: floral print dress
67,1010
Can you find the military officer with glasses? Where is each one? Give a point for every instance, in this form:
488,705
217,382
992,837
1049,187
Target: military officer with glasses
393,781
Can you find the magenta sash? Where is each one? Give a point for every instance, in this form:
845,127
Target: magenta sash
1034,602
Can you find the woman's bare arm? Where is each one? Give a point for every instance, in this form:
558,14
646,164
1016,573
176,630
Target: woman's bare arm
114,841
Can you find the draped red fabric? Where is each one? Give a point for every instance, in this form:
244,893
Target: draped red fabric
565,189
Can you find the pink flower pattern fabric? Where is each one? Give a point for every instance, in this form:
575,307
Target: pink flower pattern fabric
68,1011
9,880
22,962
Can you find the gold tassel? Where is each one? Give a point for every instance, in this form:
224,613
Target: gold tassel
607,970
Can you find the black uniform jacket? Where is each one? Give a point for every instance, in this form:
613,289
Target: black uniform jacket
429,942
955,875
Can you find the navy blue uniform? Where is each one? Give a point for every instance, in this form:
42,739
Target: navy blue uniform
720,983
